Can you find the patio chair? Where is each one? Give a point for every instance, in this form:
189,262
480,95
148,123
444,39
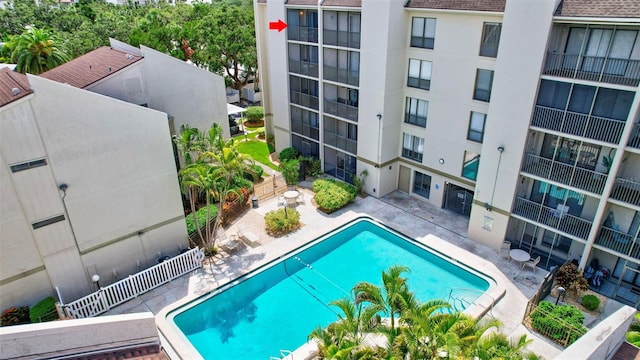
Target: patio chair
281,201
300,198
228,243
504,249
533,264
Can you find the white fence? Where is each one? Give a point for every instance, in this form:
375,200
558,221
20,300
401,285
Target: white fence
112,295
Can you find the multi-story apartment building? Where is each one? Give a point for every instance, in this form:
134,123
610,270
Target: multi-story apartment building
522,115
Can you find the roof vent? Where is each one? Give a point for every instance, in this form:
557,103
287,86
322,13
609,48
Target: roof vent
129,56
15,91
109,68
90,66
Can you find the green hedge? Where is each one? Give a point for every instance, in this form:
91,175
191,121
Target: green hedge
288,154
42,308
201,214
254,113
590,302
282,221
332,195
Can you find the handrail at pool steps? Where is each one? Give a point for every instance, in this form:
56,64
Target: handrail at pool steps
466,303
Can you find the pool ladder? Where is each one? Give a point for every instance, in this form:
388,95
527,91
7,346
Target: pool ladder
283,354
459,302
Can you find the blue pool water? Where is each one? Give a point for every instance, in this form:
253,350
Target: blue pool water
278,306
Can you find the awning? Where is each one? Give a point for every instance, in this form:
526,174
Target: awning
233,109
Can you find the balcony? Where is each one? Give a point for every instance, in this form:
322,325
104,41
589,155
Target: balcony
340,108
341,75
342,38
634,140
618,241
626,190
303,67
302,33
608,70
592,127
341,142
303,99
563,173
551,217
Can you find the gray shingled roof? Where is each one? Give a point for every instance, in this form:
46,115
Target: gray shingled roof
470,5
600,8
91,67
13,86
346,3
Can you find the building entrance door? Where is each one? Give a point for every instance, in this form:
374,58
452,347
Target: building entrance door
458,199
404,179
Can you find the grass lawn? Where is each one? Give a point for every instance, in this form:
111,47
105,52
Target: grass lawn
258,150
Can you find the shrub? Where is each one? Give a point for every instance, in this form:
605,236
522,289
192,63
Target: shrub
282,221
254,113
291,171
332,195
201,215
15,316
288,154
590,302
313,166
255,176
562,323
234,205
41,309
570,278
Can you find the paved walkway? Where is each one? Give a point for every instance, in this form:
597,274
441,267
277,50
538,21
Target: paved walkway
397,210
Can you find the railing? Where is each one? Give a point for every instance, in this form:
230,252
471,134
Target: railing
618,241
634,140
592,127
302,33
609,70
551,217
626,190
303,67
112,295
567,174
303,99
341,142
344,76
342,38
339,109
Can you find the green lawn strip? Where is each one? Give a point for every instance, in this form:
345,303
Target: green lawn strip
258,150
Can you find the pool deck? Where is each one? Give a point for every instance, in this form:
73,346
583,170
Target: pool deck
397,210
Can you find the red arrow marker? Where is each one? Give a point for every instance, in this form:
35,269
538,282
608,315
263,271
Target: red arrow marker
277,25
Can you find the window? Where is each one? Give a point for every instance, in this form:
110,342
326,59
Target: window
613,104
484,80
28,165
476,126
342,66
421,184
595,45
423,32
339,164
412,147
303,91
490,39
48,221
470,165
305,146
419,74
302,25
303,59
341,28
556,241
305,122
416,112
553,94
341,134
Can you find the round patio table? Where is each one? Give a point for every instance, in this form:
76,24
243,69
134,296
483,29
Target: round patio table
291,197
521,257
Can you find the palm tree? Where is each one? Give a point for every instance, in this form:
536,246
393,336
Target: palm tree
36,51
498,346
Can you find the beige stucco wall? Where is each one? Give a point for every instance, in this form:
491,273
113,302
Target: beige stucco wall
117,161
515,84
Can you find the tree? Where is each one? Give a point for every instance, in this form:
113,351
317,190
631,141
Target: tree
36,51
225,42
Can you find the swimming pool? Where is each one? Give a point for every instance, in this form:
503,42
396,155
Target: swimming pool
277,306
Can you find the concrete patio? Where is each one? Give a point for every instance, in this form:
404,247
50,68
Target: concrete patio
397,210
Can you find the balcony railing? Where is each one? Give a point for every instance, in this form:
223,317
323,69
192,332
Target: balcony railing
303,67
618,241
567,174
303,99
341,75
342,38
634,140
592,127
306,130
551,217
341,109
302,33
341,142
626,190
609,70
